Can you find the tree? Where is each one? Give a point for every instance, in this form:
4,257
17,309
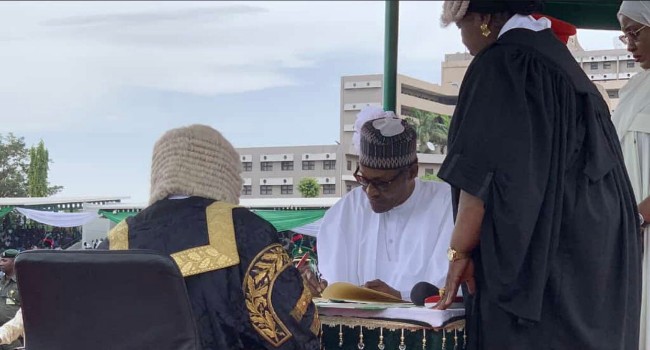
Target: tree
430,127
440,132
13,166
37,172
23,171
309,187
37,185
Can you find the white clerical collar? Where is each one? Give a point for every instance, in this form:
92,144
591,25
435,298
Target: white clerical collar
525,22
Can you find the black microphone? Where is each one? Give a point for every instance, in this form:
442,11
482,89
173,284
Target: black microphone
421,291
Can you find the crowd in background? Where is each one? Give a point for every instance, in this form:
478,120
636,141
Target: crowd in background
38,236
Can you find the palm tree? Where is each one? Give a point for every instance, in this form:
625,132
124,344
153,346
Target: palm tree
430,127
440,132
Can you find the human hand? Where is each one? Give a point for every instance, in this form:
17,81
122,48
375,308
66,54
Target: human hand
460,271
315,285
381,286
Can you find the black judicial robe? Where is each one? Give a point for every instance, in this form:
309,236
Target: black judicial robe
245,292
558,265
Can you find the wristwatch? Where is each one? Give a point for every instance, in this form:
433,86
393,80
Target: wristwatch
453,255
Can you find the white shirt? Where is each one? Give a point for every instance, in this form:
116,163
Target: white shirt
401,247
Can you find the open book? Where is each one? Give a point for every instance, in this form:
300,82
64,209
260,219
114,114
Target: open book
347,300
348,292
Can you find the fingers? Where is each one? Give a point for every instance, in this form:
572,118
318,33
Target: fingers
450,292
314,285
471,285
373,284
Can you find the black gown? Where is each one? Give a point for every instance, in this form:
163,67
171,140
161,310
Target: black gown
257,302
558,265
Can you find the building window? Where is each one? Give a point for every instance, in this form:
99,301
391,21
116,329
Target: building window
329,189
308,165
286,189
630,64
612,93
607,65
349,165
247,190
348,188
248,166
287,166
329,164
266,166
266,190
593,65
428,171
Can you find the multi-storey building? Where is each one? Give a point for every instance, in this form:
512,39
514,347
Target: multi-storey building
360,91
277,171
610,69
333,165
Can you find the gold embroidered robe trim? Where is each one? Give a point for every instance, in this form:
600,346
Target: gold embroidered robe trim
302,304
118,237
258,291
221,251
315,324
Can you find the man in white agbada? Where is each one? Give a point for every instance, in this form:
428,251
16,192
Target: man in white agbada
632,121
394,230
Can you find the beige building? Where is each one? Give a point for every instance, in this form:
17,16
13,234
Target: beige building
276,171
360,91
609,69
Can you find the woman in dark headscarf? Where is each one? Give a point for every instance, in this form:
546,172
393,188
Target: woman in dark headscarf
547,232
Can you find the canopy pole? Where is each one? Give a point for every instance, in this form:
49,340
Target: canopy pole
390,54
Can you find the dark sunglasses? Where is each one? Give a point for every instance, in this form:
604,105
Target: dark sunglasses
378,184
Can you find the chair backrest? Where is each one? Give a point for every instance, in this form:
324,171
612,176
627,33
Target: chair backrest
104,300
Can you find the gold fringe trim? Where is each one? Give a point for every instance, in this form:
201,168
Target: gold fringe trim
390,325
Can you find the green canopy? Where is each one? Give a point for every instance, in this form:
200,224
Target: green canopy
282,220
585,14
4,211
116,216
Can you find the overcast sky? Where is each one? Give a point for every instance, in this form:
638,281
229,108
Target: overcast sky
100,82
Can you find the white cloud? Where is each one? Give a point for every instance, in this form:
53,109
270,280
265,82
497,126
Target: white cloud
58,58
61,58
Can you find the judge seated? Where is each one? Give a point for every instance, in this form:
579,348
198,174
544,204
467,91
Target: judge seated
393,231
244,291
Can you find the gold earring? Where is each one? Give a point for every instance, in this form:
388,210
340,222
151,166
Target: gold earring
485,30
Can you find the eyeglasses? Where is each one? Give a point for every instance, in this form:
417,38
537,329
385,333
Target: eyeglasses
378,184
633,36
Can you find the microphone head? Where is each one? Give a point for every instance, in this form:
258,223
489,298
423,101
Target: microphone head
421,291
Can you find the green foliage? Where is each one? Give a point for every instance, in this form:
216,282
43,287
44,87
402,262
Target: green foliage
13,166
309,187
23,171
37,173
430,177
430,127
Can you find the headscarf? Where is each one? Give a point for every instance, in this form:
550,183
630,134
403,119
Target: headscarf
638,11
